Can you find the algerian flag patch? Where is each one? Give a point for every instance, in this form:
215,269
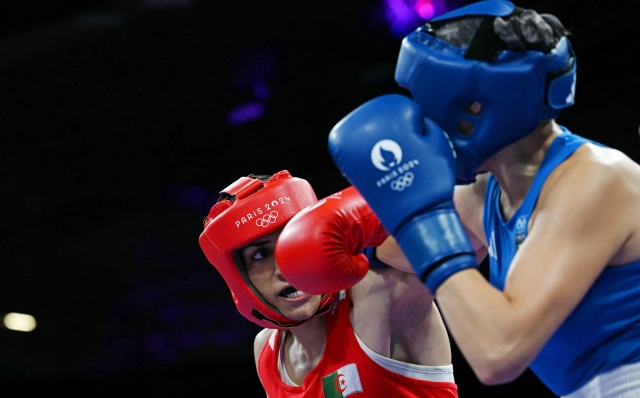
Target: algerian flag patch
342,383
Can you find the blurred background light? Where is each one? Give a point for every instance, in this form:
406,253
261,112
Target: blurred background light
425,9
245,113
19,322
405,15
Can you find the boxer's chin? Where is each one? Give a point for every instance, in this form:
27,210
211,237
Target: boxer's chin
299,306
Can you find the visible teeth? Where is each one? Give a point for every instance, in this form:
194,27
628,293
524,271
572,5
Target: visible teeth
297,293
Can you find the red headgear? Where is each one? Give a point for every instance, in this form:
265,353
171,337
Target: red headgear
259,209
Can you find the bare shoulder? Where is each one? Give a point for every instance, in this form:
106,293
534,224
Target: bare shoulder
260,341
595,175
596,189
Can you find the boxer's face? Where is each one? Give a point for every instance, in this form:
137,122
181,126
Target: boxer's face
260,263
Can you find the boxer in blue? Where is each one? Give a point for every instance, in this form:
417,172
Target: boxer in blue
477,163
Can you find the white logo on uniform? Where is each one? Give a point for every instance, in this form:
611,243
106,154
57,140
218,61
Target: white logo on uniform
521,224
492,246
378,159
267,219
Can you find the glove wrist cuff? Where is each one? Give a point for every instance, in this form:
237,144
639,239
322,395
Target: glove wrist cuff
437,246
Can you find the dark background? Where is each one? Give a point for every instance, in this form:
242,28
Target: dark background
122,120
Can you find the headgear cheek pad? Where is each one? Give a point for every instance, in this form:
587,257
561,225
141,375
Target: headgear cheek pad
517,89
260,208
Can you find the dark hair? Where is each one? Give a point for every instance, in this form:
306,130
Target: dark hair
528,30
524,29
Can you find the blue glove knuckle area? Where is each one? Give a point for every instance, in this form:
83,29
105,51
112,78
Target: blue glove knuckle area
393,158
404,166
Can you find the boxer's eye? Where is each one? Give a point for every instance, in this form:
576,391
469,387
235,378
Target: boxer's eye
261,254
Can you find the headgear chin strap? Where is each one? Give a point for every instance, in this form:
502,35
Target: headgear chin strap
260,208
517,89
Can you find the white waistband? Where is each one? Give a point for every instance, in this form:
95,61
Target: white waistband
621,382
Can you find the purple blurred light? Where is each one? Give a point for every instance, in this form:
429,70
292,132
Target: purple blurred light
405,15
425,9
245,113
261,91
400,16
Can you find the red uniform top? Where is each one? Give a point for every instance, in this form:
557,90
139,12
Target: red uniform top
345,369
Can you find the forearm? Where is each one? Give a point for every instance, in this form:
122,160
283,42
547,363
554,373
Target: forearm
390,253
497,336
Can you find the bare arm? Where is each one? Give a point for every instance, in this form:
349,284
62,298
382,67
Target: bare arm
389,252
394,315
576,231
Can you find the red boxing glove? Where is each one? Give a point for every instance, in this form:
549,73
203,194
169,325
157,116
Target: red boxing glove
319,250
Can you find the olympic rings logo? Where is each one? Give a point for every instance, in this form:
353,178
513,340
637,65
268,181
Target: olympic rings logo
402,182
267,219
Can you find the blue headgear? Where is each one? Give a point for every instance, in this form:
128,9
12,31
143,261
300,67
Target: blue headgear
517,89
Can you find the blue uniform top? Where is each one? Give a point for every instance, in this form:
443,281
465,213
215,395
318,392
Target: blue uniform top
603,331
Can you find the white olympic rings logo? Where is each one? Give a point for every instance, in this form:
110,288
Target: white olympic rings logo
402,182
267,219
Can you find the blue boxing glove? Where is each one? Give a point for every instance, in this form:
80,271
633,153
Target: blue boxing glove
404,166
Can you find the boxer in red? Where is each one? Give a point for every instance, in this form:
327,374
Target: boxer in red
367,328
